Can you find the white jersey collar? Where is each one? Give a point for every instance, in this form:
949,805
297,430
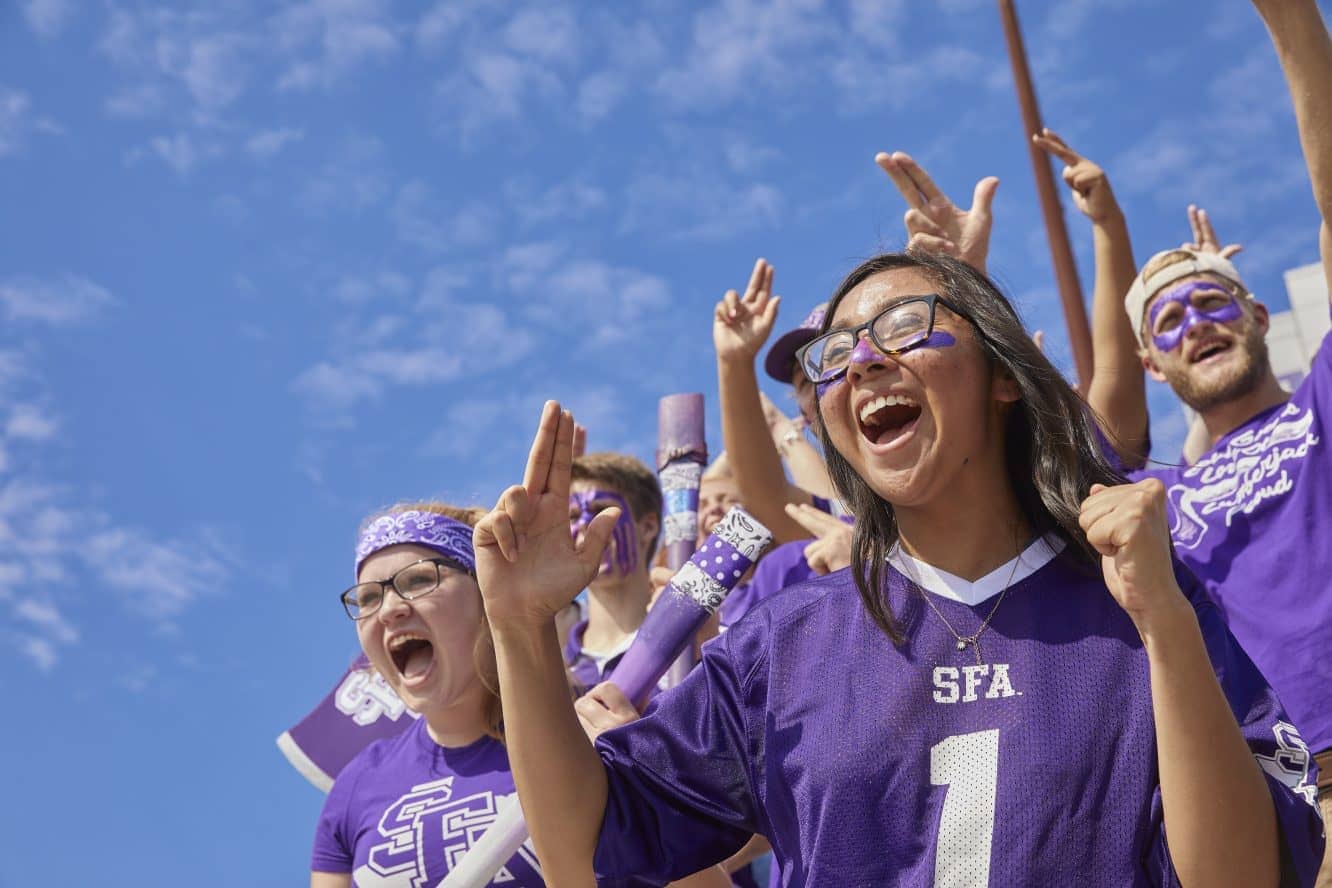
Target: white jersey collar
946,585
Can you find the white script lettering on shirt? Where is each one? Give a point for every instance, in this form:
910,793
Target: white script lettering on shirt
947,688
1251,469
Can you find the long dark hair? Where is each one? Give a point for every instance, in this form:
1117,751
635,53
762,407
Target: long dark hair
1052,448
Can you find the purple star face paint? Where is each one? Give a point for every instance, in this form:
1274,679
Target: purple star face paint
1214,304
621,557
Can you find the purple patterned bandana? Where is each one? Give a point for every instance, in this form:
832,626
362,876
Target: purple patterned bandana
1169,340
624,537
448,537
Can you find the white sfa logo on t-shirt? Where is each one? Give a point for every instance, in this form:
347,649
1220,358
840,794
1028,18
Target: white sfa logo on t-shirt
965,685
428,829
1250,470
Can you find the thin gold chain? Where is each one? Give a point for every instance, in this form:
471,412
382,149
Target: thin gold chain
973,639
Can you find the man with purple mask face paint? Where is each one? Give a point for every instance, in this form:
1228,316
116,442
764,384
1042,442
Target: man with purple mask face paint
619,595
1252,514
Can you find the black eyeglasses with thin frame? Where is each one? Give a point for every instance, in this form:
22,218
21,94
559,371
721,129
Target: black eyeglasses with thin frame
411,582
902,326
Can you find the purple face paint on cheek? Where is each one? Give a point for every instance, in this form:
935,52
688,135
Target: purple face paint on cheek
824,387
937,339
621,556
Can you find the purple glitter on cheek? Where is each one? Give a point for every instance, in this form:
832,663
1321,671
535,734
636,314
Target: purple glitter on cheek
937,339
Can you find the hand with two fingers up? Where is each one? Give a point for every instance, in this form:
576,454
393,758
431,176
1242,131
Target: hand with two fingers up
831,549
527,563
933,222
1204,235
1087,181
742,324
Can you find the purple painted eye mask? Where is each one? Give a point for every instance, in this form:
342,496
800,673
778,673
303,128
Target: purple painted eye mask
624,537
1183,295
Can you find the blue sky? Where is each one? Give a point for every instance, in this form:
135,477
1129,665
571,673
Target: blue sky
267,266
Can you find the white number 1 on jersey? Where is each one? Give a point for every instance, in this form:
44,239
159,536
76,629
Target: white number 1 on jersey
968,764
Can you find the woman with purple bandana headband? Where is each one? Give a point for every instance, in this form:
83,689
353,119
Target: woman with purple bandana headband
393,814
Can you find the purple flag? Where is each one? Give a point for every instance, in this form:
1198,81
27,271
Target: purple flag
359,710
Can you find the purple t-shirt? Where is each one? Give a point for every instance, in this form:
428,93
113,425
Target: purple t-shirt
1253,519
870,764
780,567
406,809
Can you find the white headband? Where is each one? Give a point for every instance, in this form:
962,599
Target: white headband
1135,303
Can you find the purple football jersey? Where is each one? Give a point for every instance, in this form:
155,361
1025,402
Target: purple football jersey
780,567
870,764
406,809
1252,518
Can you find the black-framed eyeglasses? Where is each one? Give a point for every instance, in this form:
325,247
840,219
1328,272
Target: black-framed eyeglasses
411,582
900,327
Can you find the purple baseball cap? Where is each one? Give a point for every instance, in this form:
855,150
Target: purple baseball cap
781,357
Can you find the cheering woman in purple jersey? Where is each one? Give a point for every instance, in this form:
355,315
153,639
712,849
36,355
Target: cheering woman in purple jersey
1014,683
405,809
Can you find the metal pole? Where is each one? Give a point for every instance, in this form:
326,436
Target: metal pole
1061,251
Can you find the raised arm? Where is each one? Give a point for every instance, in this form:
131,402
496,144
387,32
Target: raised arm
1305,51
808,470
740,327
1219,816
1117,390
528,568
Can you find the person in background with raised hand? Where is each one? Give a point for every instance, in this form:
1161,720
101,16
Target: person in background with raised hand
740,327
1117,390
1012,655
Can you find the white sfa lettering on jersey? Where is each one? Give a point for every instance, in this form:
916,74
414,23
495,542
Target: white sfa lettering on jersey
1289,762
1250,470
366,698
953,685
428,832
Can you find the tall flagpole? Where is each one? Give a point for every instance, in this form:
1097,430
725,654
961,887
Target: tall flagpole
1061,251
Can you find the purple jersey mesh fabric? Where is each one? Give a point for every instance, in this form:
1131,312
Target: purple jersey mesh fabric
865,764
780,567
406,809
1253,519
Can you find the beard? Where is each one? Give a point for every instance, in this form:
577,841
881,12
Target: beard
1205,394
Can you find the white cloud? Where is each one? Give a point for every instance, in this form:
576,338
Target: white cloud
330,38
738,43
64,299
40,651
159,578
180,152
267,143
45,615
566,201
422,220
700,206
30,423
363,289
14,123
137,101
544,33
47,17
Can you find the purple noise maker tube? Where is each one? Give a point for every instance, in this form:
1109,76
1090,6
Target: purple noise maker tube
693,595
682,452
359,710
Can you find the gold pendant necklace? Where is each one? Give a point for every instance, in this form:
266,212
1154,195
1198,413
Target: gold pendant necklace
974,638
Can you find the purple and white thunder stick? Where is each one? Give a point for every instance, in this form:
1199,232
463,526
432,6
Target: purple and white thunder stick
682,452
693,595
359,710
